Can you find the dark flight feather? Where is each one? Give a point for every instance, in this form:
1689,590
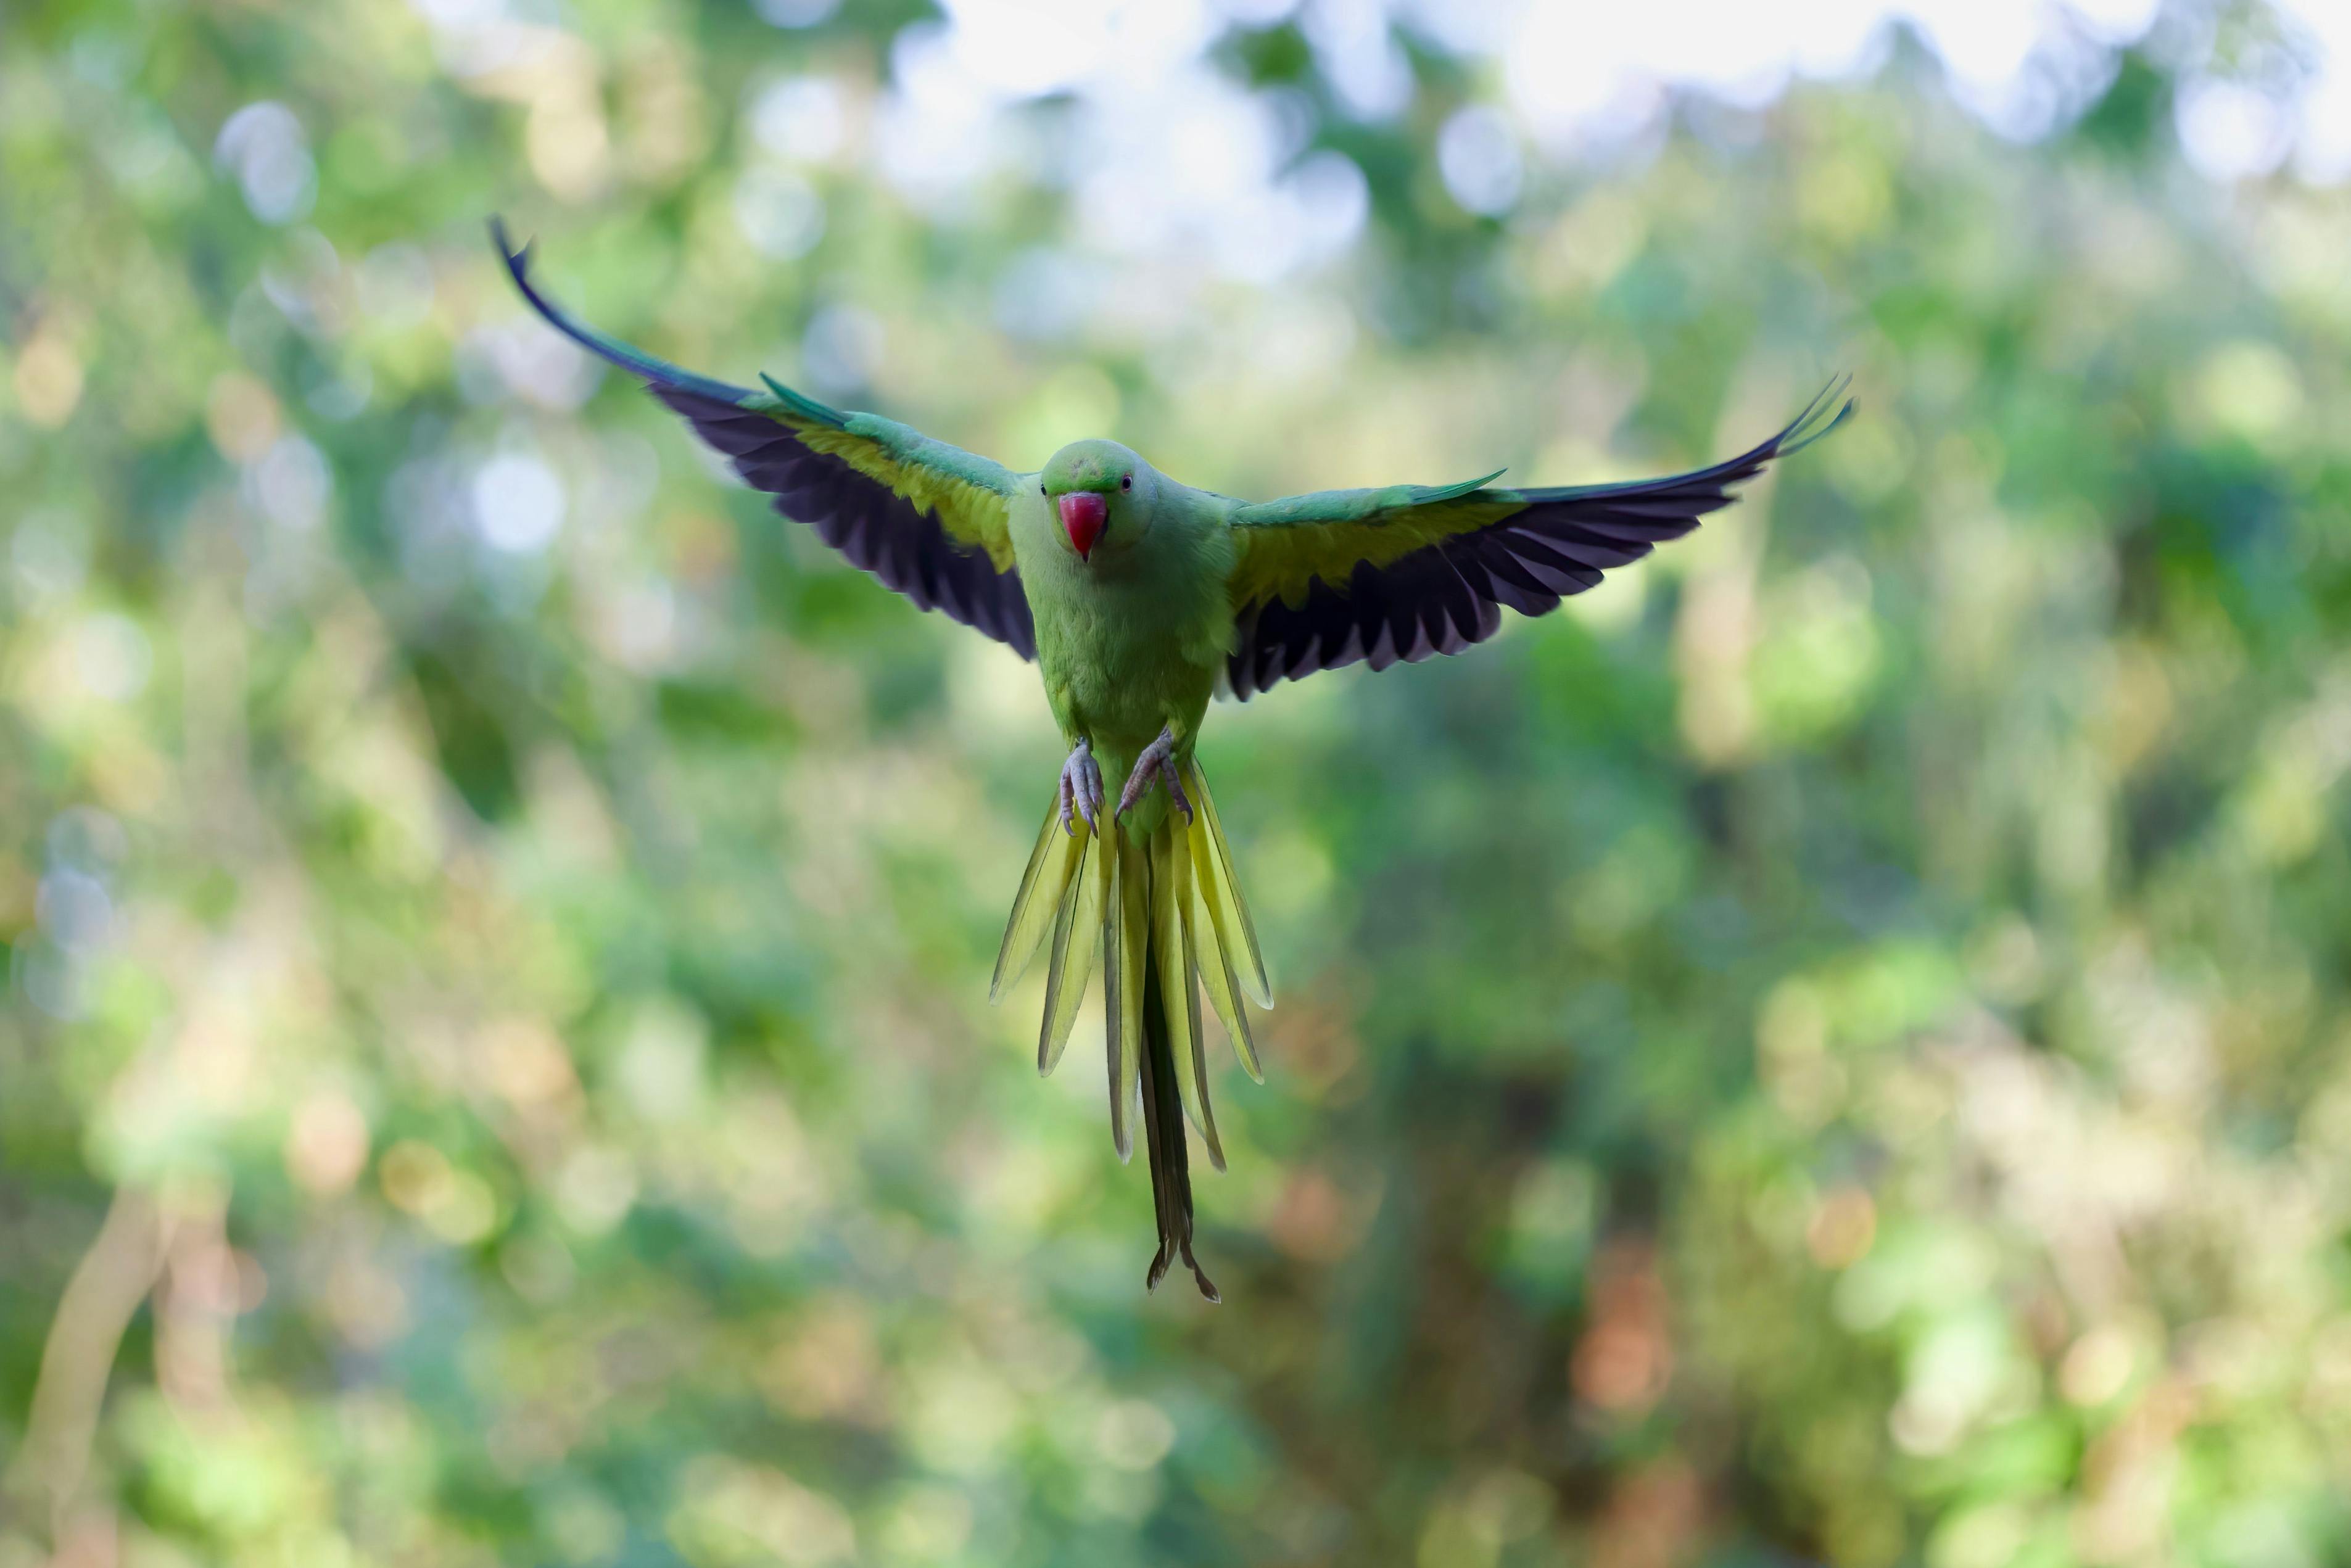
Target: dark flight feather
820,467
1522,549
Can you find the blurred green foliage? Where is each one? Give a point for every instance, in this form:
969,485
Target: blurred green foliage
1833,1050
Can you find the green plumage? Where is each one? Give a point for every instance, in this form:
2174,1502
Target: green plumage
1140,598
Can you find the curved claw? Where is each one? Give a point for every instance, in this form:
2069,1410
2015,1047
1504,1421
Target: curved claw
1080,789
1175,788
1157,764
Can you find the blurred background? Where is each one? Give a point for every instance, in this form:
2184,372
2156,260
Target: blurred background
1833,1049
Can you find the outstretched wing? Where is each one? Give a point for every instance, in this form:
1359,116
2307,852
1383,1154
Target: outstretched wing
928,519
1328,578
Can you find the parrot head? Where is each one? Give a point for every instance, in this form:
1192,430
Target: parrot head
1093,488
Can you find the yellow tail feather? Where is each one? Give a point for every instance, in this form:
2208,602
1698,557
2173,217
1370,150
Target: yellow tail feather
1122,1025
1165,917
1213,935
1042,886
1171,936
1075,940
1226,905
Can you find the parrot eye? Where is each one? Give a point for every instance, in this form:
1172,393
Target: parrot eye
1127,482
1040,489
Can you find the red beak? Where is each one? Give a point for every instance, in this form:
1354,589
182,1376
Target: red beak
1082,514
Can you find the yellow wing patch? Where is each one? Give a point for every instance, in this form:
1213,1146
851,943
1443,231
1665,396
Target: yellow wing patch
1286,545
973,514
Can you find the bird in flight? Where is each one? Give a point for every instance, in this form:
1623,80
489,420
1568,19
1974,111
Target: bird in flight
1139,597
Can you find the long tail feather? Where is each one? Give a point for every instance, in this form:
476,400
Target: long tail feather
1213,938
1074,952
1042,886
1118,1044
1171,936
1229,911
1171,1176
1163,1130
1124,1000
1165,917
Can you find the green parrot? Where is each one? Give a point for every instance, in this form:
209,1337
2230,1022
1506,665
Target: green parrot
1140,597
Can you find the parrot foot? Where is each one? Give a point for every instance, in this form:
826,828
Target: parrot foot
1082,788
1158,763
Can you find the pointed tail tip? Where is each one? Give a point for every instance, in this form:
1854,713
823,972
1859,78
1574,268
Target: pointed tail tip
1163,1259
516,261
507,252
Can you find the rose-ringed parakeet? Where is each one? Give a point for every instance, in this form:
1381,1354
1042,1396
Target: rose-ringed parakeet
1140,597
